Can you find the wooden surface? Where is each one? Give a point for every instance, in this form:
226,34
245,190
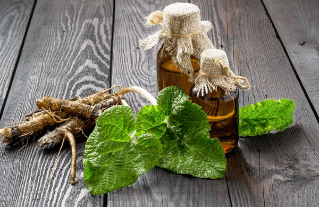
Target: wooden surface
276,169
66,53
15,16
297,24
78,47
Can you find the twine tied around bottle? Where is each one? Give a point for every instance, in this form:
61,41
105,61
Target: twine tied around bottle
184,34
215,72
229,73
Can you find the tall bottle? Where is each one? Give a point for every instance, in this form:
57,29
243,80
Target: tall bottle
215,89
185,38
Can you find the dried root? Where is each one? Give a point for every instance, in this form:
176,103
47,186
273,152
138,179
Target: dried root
34,114
41,119
98,97
71,139
72,118
16,134
71,107
76,126
76,108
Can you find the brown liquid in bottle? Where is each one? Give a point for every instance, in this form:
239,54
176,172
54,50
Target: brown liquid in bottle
222,113
170,75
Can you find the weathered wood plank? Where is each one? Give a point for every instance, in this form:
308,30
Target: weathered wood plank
66,54
277,169
14,18
161,187
297,24
134,66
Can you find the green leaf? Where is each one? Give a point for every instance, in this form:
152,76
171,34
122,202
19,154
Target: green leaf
170,97
111,133
151,120
187,148
112,160
262,117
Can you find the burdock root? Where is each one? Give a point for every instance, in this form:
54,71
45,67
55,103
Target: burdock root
71,139
74,108
73,117
41,119
18,133
76,125
89,115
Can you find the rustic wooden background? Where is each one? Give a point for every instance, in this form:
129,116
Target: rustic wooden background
67,48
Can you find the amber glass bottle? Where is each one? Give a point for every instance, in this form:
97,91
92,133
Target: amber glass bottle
222,113
170,75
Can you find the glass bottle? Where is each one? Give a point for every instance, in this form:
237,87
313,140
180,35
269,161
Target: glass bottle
222,113
184,38
168,74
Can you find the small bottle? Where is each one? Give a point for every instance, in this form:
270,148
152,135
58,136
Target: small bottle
169,74
185,38
215,91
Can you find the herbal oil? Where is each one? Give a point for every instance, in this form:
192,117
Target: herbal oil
170,75
222,113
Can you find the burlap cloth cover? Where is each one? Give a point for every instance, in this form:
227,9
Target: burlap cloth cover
215,72
184,34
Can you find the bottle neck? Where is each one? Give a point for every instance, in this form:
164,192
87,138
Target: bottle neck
165,61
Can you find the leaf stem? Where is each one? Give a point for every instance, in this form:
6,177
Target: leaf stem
138,90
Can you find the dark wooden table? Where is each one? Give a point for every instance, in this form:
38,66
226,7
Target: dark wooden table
67,48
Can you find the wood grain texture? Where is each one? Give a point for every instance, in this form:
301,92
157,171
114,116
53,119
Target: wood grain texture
66,54
297,23
161,187
278,169
134,66
14,18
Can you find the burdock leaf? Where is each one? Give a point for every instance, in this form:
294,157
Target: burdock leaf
150,120
112,160
170,97
187,148
262,117
111,133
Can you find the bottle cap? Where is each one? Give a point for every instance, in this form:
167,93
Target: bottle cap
215,72
184,34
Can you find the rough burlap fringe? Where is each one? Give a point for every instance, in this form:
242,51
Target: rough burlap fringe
180,46
205,83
